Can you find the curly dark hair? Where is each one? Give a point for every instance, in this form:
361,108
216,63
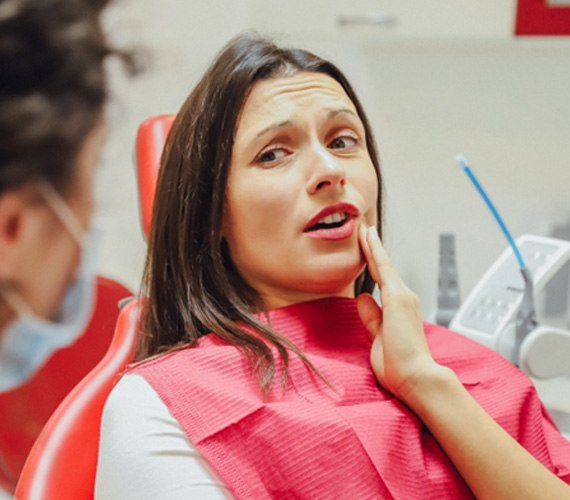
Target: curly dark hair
52,87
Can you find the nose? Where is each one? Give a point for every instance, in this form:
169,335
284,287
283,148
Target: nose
326,172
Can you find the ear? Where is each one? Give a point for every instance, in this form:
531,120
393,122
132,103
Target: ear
13,206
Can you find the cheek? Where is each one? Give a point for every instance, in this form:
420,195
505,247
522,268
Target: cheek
372,198
256,211
81,201
83,210
52,268
367,185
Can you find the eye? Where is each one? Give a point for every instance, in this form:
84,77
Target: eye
343,142
271,155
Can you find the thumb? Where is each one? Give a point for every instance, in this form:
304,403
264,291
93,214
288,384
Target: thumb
370,313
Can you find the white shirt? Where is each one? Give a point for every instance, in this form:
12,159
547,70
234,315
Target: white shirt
145,454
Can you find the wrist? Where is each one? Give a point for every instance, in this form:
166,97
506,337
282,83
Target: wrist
428,387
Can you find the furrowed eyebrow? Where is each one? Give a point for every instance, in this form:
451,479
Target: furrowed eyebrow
273,127
331,114
335,112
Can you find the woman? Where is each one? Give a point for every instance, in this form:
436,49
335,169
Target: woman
52,96
264,232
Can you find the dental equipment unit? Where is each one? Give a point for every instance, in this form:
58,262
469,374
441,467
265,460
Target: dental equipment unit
506,310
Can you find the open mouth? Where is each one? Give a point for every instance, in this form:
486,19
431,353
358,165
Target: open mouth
331,221
335,222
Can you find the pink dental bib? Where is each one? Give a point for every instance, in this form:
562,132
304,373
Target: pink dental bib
351,440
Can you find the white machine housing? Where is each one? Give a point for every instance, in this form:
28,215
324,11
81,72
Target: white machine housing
489,314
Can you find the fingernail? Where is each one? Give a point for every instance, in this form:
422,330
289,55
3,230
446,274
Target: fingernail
372,231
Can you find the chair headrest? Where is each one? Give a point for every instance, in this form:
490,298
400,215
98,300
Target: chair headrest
151,137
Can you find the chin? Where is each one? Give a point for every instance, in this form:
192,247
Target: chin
333,280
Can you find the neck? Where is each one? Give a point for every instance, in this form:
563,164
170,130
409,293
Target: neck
282,299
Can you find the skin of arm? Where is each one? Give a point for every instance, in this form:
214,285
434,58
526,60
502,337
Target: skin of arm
491,462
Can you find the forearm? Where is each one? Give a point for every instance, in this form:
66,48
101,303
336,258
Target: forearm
490,461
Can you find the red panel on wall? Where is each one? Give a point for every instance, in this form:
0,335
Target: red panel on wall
540,17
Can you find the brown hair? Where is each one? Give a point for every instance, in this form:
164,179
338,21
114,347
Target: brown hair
189,280
52,87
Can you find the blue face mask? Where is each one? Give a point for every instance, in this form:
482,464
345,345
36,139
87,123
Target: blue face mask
29,341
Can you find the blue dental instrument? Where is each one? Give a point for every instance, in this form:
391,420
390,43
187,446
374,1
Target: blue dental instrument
467,169
526,317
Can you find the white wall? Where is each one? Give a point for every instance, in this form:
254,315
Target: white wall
504,103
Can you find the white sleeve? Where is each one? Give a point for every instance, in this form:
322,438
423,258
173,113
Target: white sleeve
145,454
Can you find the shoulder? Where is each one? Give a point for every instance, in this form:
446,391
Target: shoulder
200,355
134,410
131,394
207,366
144,453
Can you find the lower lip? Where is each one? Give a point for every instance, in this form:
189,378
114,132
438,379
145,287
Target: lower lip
336,233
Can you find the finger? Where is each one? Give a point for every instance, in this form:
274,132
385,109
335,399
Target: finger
370,314
381,262
365,247
362,228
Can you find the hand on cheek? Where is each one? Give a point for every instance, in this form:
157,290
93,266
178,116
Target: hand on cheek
400,356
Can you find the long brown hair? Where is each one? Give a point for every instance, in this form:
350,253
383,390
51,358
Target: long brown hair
189,280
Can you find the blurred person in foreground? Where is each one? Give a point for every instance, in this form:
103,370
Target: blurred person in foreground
52,96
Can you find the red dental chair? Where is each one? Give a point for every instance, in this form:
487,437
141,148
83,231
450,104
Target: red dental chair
150,142
62,463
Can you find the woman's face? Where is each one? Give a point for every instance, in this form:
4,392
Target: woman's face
300,183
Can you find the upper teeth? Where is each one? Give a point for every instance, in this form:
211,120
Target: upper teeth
332,218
